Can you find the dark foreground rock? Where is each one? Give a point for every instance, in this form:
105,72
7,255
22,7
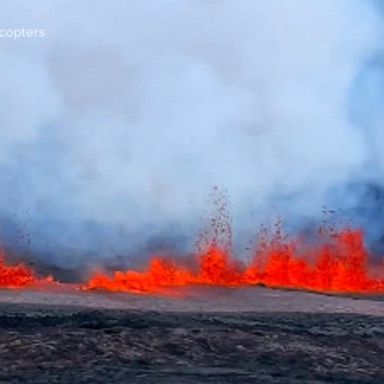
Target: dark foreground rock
45,345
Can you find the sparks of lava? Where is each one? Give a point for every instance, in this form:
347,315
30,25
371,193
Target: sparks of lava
18,276
337,263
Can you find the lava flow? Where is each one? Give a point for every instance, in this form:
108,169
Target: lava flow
18,276
337,265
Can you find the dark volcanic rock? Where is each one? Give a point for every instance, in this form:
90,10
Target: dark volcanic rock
40,345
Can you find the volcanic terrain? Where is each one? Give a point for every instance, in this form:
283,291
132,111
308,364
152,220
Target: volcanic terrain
196,335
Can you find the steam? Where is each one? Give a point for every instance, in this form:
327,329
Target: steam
116,125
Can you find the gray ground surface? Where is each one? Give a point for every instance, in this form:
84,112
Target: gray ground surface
158,340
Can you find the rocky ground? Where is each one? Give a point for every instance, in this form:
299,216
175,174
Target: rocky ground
43,343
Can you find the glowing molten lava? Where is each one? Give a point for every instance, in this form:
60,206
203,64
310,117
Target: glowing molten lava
15,276
337,265
18,276
161,274
340,265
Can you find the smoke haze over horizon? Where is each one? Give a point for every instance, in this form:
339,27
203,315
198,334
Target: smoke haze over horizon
115,126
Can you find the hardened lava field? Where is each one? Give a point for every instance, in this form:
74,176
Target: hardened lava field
203,335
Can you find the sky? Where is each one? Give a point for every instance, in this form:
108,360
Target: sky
117,119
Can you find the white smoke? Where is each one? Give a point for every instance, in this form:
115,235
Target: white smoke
115,126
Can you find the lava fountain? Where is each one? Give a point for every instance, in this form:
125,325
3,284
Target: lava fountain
19,276
337,263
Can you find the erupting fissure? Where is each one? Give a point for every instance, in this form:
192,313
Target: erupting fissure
339,265
338,262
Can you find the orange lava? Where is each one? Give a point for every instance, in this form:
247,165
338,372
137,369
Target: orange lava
338,264
18,276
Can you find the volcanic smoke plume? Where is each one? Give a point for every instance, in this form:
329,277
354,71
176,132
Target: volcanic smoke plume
117,123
